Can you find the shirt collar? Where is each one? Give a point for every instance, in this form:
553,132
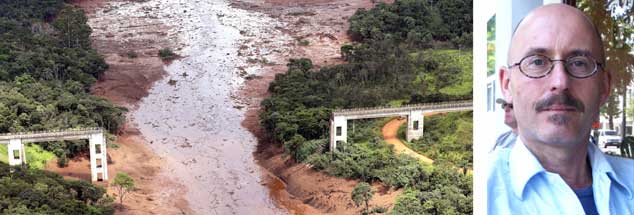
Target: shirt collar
601,166
523,165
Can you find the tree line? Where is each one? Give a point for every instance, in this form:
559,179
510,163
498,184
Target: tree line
386,64
46,69
30,191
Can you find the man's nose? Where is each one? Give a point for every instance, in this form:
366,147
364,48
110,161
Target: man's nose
559,79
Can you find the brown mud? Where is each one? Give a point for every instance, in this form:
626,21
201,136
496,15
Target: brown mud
182,163
390,134
126,81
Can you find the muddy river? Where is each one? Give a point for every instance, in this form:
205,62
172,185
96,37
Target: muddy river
192,116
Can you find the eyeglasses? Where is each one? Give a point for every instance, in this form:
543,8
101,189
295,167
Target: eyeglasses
538,66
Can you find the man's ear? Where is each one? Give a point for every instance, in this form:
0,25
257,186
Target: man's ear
505,84
607,86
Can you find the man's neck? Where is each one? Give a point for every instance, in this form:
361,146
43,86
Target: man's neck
570,163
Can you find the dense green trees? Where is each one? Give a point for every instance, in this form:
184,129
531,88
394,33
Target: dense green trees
46,69
423,24
29,191
388,64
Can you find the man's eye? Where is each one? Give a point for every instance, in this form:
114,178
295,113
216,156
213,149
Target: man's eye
579,63
537,62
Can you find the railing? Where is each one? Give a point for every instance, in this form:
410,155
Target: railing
49,133
424,106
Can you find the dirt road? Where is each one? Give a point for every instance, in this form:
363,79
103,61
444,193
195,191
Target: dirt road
390,131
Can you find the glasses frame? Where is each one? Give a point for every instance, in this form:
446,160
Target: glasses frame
596,66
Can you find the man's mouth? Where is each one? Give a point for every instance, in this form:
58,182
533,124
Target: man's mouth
560,107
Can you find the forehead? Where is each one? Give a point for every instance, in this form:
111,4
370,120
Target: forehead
556,35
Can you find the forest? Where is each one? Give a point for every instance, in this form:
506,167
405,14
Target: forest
33,192
46,69
408,52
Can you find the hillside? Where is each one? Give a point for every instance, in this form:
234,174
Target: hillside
396,59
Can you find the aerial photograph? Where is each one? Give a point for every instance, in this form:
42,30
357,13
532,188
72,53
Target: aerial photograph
236,107
556,104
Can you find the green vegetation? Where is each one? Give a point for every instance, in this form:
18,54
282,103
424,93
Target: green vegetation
367,157
423,24
362,193
389,64
46,70
448,138
37,157
491,46
4,154
31,191
166,54
124,185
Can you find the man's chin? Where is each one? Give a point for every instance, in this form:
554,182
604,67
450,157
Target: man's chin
562,136
560,119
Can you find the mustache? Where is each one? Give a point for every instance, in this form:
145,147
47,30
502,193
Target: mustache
560,99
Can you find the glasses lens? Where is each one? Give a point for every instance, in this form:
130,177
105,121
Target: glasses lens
535,65
580,66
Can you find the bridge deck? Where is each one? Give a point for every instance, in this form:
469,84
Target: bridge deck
383,111
43,136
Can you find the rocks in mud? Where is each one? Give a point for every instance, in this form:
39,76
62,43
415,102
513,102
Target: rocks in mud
302,21
301,13
186,145
327,35
189,162
252,76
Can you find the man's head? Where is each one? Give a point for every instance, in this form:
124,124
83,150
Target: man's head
509,118
554,107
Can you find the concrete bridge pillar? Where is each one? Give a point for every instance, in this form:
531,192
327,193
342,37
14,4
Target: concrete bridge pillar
338,131
17,155
98,157
414,125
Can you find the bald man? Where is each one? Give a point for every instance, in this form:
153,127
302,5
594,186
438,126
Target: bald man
556,81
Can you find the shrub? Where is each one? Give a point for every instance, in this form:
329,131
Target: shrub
362,193
166,54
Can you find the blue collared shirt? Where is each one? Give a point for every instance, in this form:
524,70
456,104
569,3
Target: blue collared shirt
518,184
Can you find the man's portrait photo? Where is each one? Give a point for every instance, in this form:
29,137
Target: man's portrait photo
554,83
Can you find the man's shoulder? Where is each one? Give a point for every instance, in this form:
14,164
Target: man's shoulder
623,168
499,188
498,161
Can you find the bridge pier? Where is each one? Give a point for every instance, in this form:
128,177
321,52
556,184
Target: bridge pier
338,131
98,157
414,125
95,137
17,155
